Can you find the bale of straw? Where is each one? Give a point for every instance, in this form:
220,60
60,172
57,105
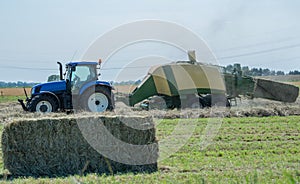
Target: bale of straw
276,91
58,147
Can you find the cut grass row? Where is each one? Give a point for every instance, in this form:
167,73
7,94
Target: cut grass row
245,150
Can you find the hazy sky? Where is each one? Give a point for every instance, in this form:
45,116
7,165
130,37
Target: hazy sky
35,34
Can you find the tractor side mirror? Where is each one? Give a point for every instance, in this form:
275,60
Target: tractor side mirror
73,68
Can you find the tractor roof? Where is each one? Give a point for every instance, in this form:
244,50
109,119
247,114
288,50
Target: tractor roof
75,63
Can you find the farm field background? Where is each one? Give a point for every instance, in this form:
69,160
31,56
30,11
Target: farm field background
283,78
12,94
245,150
14,91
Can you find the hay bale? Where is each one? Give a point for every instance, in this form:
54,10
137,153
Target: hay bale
61,146
276,91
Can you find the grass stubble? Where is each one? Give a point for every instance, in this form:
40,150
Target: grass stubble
258,142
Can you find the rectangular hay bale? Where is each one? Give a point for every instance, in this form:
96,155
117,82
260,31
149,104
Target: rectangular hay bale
276,91
70,145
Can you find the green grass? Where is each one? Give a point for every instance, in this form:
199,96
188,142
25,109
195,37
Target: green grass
4,99
245,150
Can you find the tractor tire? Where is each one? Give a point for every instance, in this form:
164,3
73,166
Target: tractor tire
98,100
43,103
216,100
194,103
157,102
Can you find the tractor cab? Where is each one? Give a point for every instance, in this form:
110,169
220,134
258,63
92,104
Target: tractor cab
80,73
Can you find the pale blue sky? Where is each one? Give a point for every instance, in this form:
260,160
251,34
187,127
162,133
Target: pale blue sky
35,34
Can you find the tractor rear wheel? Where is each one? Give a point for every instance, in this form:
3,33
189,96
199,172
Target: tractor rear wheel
98,100
43,103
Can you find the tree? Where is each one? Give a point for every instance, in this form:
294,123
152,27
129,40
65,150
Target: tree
246,70
272,72
280,73
137,82
260,72
266,72
229,68
53,78
295,72
254,72
20,84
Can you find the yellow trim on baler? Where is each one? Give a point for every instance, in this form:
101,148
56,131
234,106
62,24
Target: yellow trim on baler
197,77
161,83
187,77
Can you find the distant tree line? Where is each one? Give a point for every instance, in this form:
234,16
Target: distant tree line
260,71
21,84
18,84
130,82
52,78
295,72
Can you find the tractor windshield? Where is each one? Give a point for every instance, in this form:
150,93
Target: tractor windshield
81,74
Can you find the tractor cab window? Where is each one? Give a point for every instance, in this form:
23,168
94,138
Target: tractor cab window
81,72
81,75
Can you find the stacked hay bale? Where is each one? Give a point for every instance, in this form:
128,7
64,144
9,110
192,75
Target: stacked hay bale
60,146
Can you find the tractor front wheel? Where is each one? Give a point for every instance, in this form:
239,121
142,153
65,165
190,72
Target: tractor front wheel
42,103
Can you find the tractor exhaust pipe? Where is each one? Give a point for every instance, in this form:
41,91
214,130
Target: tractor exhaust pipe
60,71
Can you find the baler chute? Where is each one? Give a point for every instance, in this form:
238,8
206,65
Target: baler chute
237,84
275,91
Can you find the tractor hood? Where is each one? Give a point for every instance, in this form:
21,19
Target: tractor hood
49,86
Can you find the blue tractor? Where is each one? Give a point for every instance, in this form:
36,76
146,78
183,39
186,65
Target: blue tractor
79,88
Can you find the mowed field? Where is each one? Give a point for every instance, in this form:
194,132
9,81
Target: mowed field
244,150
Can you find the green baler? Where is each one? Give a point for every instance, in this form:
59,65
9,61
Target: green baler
192,84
